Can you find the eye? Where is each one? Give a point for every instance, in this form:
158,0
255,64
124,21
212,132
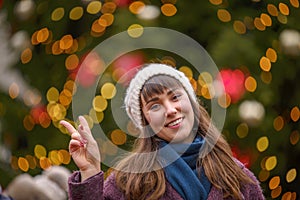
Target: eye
154,107
176,97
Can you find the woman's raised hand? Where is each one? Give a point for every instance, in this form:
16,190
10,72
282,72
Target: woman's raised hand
83,148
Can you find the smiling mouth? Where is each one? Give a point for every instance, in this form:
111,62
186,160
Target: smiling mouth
174,123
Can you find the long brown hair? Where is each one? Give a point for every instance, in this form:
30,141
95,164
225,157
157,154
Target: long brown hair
216,157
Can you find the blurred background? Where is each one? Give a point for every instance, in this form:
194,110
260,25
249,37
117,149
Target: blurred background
254,43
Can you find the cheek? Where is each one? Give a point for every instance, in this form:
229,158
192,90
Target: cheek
156,120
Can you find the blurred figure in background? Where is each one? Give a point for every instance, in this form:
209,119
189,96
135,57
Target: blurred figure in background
50,185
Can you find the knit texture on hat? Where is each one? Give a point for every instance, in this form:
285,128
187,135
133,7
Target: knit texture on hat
132,98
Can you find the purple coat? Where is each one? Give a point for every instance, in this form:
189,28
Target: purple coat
95,188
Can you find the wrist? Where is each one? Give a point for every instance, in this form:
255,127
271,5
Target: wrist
89,172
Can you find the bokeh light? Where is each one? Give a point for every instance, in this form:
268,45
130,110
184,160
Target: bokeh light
76,13
94,7
271,163
168,9
99,103
224,15
135,30
262,143
108,90
58,14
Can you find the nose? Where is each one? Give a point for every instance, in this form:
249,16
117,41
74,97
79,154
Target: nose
170,109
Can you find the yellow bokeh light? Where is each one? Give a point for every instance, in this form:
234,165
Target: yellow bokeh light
263,175
13,90
239,27
135,30
55,158
28,122
65,97
34,38
272,10
215,2
26,56
136,7
31,161
282,19
295,114
44,120
56,50
42,35
291,175
108,7
168,9
118,137
259,24
72,62
224,15
205,78
108,90
73,48
194,84
271,54
66,158
274,182
56,111
76,13
40,151
266,77
45,163
66,42
250,84
208,91
224,100
106,19
187,71
97,117
266,19
294,137
295,3
284,9
289,196
271,163
99,103
71,86
94,7
242,130
169,60
276,192
278,123
57,14
23,164
97,28
265,64
52,94
262,144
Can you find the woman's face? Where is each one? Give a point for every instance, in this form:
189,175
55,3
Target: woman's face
170,115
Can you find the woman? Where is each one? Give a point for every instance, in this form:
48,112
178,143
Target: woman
178,155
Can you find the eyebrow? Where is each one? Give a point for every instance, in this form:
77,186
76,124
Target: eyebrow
156,98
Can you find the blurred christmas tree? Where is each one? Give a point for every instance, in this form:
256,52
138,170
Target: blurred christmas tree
255,44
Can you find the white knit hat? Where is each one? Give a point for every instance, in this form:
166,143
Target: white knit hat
132,98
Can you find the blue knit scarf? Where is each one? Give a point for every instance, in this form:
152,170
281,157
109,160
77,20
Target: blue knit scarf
179,162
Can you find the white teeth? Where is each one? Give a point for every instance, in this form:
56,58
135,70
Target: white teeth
175,122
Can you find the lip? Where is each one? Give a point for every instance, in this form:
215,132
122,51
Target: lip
180,118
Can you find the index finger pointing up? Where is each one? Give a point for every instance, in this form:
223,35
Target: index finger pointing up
68,126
